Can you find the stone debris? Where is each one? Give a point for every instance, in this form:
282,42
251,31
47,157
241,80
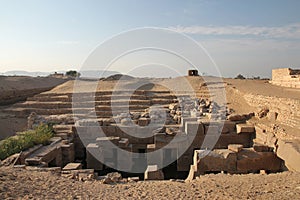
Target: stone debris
112,178
263,112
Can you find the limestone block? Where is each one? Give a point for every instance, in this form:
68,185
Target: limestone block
184,162
92,162
68,153
107,141
187,119
244,128
123,142
288,151
235,147
252,161
194,128
217,160
153,173
72,166
261,148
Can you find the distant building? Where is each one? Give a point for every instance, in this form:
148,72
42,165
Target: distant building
193,72
57,75
286,77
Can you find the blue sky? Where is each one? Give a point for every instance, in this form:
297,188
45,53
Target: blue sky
248,37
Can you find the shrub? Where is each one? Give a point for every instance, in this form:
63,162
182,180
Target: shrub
25,140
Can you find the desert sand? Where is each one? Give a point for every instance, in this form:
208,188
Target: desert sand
24,184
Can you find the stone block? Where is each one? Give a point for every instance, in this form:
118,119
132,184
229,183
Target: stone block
194,128
133,179
72,166
92,162
289,152
244,128
187,119
252,161
235,147
184,162
216,160
223,140
212,130
68,153
109,130
261,148
107,141
153,173
123,142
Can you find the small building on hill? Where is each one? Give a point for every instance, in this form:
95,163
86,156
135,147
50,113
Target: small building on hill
57,75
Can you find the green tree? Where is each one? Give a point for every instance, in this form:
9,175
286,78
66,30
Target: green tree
73,73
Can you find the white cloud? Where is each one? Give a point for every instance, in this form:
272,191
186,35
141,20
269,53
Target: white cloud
290,31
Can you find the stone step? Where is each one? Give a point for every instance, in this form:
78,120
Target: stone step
108,92
62,98
44,105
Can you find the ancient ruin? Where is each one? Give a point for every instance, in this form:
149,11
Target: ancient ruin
84,136
286,77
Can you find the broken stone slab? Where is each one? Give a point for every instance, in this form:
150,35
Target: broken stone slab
289,152
133,179
244,128
72,166
235,147
153,173
235,117
115,176
124,142
261,148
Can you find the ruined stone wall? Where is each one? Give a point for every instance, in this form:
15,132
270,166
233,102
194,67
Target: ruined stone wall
286,77
288,109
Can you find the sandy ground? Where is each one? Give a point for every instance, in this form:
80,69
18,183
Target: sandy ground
24,184
18,88
263,87
25,82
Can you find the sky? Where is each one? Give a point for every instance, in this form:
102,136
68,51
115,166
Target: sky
247,37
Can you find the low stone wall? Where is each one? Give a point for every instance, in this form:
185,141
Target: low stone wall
288,109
